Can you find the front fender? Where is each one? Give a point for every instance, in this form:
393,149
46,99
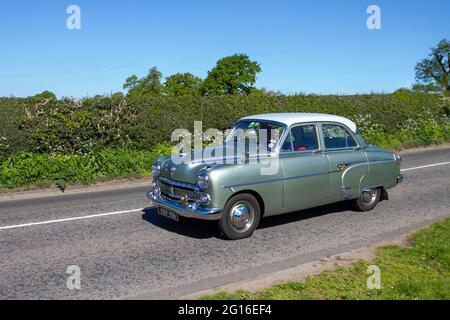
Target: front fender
227,180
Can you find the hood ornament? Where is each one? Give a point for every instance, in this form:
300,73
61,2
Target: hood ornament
172,171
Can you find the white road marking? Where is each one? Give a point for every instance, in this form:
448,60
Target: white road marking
427,166
140,209
70,219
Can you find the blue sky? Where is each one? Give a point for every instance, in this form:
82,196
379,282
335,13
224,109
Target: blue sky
303,46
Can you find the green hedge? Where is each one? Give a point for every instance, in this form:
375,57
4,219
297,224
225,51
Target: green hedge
66,141
80,127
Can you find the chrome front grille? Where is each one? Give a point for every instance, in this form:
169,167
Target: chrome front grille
175,192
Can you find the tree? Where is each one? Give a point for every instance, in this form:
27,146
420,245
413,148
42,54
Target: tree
425,88
435,70
131,83
149,85
182,84
235,74
45,95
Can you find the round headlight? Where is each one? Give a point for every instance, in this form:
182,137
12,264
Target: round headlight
203,180
156,168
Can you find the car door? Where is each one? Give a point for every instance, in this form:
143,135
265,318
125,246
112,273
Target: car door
347,160
305,168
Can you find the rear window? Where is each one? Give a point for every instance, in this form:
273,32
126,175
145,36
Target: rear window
336,136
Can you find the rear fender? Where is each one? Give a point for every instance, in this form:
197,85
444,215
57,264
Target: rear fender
353,180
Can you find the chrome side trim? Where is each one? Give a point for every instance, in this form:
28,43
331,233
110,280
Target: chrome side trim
335,150
385,160
233,159
295,153
350,165
250,183
308,175
279,179
188,210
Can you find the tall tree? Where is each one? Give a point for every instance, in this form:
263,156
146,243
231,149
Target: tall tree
182,84
435,70
131,82
235,74
149,85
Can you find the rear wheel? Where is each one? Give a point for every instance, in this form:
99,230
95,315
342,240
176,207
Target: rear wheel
240,217
368,199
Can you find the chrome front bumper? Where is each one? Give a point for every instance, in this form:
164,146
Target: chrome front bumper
189,210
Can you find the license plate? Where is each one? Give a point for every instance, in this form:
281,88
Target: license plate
168,213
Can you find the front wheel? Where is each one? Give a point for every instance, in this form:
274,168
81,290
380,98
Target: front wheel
240,217
368,199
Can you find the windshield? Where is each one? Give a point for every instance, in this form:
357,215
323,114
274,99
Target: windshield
264,134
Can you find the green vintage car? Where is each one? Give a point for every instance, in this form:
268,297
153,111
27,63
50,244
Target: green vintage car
305,160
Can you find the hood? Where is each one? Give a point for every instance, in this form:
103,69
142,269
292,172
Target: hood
185,168
185,172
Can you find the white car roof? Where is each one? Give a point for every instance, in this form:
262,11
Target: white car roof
300,117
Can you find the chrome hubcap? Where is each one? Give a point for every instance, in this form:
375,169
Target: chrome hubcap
369,196
242,216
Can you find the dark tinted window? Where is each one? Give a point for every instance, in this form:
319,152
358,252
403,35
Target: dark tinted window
336,136
301,138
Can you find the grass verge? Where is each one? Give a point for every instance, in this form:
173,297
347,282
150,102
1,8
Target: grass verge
31,169
421,271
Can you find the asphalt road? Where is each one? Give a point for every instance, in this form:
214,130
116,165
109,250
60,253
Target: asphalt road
127,253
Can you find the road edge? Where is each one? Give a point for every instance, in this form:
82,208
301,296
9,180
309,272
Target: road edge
54,192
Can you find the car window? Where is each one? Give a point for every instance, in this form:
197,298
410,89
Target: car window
360,137
250,128
301,138
336,136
